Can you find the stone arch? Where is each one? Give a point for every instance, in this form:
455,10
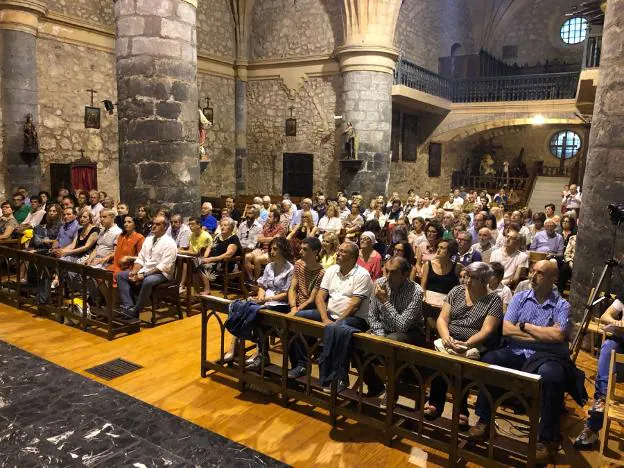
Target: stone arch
456,49
464,128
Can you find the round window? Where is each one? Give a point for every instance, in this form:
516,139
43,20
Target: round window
574,30
565,144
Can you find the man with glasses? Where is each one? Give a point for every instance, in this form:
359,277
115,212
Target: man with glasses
466,253
515,262
154,265
250,229
20,209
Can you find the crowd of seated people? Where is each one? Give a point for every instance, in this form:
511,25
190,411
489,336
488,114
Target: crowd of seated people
352,268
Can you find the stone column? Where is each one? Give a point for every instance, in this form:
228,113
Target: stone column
19,21
158,103
604,173
367,62
240,128
241,13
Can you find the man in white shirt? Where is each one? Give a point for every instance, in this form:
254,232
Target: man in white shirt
515,262
95,206
342,301
179,232
34,218
154,265
249,230
572,200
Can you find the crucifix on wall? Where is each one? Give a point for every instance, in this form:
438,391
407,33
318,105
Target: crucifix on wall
92,114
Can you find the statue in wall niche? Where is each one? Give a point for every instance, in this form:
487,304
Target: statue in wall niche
487,165
204,123
31,140
351,142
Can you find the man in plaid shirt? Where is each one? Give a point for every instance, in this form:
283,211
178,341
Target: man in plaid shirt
395,312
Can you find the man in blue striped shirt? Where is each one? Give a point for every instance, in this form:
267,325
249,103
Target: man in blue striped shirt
537,320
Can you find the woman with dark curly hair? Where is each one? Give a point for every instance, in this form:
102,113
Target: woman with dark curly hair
567,229
442,273
427,250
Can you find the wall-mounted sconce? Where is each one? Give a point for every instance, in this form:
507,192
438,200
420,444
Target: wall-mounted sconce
291,124
109,106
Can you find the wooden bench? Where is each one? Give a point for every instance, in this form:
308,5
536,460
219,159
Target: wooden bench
68,297
397,421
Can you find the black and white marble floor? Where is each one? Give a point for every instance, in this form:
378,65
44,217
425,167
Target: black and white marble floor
50,416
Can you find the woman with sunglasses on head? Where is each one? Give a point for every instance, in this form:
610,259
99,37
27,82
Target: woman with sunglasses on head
427,251
129,245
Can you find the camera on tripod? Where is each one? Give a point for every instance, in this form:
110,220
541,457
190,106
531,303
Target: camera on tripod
616,213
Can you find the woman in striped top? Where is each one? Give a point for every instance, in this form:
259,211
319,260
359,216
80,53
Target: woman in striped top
307,278
471,316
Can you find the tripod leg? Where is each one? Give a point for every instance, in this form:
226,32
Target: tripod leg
589,311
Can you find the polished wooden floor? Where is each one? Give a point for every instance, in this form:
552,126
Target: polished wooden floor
170,380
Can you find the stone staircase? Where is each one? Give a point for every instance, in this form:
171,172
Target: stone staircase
547,190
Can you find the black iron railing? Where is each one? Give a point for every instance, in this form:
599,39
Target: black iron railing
488,89
592,51
411,75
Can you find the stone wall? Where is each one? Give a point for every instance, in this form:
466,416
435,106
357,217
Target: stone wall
535,29
220,137
215,29
94,11
65,72
314,107
287,28
427,29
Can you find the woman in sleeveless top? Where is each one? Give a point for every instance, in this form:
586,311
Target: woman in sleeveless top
442,274
84,242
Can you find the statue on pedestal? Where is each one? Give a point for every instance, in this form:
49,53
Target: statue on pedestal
351,142
31,140
204,123
487,165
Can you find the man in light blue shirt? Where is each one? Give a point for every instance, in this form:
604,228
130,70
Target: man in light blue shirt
548,241
537,320
306,205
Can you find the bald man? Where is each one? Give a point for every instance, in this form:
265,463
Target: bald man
537,324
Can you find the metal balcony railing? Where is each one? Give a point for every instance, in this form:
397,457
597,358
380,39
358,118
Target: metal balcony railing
488,89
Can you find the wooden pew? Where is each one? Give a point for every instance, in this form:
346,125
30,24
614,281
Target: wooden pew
75,281
397,421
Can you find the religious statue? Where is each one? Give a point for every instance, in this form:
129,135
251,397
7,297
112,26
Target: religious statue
351,142
31,140
487,165
204,123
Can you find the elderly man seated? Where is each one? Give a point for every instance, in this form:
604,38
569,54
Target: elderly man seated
515,262
179,232
548,241
485,246
612,318
306,207
154,265
466,253
537,324
342,302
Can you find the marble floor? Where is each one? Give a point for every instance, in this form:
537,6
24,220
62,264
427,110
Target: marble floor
50,416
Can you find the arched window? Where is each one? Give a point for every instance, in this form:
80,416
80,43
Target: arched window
574,30
455,49
565,144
